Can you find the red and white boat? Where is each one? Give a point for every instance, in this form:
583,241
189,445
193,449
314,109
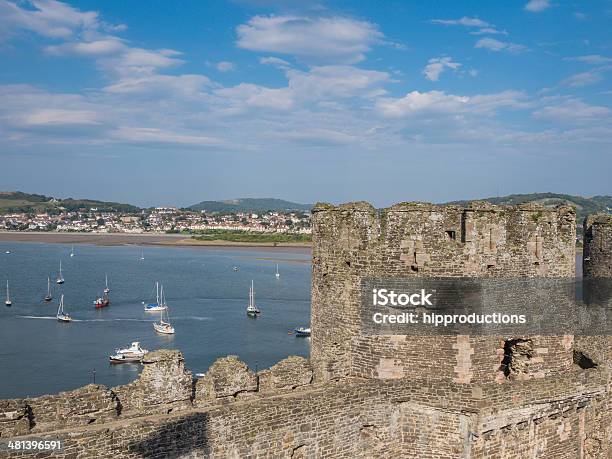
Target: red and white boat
102,302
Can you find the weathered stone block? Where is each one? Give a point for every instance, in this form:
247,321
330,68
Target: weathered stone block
227,377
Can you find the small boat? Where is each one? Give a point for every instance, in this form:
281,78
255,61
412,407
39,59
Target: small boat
8,301
235,268
60,278
61,315
72,252
101,302
277,273
142,255
302,331
106,289
8,252
134,353
163,326
157,306
48,297
251,309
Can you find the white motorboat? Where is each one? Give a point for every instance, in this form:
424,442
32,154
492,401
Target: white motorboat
158,305
302,331
61,315
134,353
8,301
252,309
60,278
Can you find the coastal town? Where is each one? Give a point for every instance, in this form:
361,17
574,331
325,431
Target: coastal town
158,220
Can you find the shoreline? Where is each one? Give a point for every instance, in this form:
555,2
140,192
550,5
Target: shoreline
159,240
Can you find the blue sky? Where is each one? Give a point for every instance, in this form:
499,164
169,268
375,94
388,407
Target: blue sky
175,102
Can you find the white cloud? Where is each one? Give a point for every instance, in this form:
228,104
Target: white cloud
149,135
316,40
583,79
140,61
186,85
496,45
594,59
436,66
59,117
48,18
464,21
482,27
439,102
536,6
109,45
225,66
275,61
571,110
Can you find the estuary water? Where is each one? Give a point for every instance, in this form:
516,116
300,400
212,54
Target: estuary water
206,297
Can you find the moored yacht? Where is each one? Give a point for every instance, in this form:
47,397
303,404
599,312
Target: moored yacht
48,296
251,309
158,305
8,301
61,315
60,278
302,331
163,326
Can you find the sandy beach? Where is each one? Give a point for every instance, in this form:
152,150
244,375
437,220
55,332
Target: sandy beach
139,239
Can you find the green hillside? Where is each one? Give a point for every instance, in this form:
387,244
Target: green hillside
17,201
584,206
250,205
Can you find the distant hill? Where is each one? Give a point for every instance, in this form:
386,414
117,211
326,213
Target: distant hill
583,206
17,201
250,205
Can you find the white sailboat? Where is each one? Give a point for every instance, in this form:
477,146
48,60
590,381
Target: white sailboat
277,273
72,252
48,297
251,308
60,278
158,305
142,254
163,326
106,289
8,301
61,315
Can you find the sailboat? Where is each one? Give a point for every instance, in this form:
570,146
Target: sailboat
277,273
251,308
61,315
157,306
60,278
8,301
163,327
142,255
106,289
72,252
48,297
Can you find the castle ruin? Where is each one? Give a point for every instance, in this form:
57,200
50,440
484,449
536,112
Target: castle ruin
363,395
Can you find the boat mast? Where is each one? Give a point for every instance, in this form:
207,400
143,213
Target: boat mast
8,298
157,293
48,286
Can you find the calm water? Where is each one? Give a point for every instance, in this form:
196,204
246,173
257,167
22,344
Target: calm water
207,302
